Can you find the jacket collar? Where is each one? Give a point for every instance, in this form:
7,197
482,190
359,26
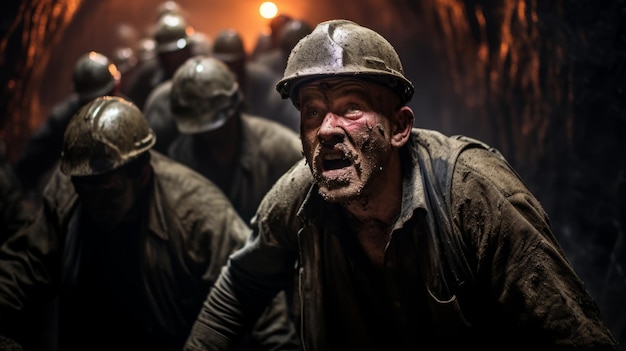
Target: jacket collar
157,222
248,152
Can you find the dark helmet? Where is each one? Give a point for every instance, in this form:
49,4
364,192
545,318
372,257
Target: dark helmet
104,135
344,48
94,75
172,33
126,34
228,46
201,44
204,95
145,49
291,34
124,58
277,23
169,7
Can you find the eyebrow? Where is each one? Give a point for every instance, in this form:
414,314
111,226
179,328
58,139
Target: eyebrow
315,94
341,89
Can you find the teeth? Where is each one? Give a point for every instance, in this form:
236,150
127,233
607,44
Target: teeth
331,157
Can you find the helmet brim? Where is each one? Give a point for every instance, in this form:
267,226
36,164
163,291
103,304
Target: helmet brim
289,87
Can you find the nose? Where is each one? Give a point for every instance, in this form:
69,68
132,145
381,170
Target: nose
331,128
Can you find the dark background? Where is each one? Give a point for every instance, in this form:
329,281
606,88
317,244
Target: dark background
543,81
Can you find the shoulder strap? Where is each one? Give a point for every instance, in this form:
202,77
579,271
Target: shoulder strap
446,269
440,246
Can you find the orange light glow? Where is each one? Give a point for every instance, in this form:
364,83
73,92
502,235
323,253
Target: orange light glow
268,10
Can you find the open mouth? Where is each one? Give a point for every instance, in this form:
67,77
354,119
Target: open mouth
335,161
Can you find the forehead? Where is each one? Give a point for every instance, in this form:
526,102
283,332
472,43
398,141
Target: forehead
116,176
337,86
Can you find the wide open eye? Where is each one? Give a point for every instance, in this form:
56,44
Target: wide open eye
311,113
353,111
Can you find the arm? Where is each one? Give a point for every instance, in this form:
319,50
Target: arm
253,275
524,278
244,289
14,213
29,270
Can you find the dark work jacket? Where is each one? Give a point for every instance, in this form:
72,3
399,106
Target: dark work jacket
519,291
13,212
191,230
146,76
266,151
157,112
262,99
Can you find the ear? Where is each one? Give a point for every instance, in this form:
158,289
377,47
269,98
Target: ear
403,123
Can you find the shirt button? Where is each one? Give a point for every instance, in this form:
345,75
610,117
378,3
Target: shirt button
390,264
397,304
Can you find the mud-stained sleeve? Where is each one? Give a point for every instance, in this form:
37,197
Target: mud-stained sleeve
254,274
30,261
518,262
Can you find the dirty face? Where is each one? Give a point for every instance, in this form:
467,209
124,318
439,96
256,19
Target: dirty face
107,198
346,135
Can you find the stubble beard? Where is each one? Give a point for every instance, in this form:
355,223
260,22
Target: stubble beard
353,183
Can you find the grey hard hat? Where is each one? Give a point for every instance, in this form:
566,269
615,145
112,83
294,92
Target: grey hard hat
169,7
344,48
94,75
228,46
172,33
201,44
124,58
278,23
104,135
204,95
145,49
292,32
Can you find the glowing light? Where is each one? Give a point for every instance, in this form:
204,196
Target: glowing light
268,9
